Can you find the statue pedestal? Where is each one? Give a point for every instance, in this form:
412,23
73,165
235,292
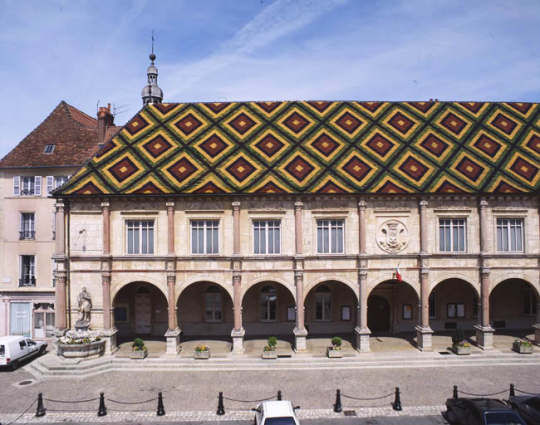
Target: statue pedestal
109,336
173,341
362,339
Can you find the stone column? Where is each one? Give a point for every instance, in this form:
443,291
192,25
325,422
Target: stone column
362,330
60,238
238,332
60,301
423,331
362,226
109,332
483,226
423,227
300,332
484,331
173,332
170,227
236,227
298,206
105,210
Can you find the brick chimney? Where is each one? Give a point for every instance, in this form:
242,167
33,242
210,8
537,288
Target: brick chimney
105,120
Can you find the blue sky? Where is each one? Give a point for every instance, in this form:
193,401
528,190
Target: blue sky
225,50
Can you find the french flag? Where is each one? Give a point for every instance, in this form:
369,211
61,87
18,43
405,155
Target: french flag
398,274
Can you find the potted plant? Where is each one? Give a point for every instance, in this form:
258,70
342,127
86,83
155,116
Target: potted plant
202,352
523,346
269,351
460,346
138,349
334,351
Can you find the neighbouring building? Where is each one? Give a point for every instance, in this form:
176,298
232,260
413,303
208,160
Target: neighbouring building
39,164
294,219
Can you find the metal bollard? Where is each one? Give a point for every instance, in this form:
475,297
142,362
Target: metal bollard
397,400
455,393
220,406
337,406
512,390
160,407
102,411
40,411
279,395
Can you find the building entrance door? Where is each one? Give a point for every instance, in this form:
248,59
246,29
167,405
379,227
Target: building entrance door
378,314
143,313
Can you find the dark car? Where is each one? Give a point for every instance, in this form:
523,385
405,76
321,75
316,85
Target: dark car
528,408
481,411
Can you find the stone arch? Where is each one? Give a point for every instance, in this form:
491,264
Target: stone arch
456,276
511,305
316,282
515,276
279,281
117,288
197,279
414,285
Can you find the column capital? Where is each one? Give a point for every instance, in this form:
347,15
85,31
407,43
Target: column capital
424,273
59,204
483,204
60,274
363,274
171,276
299,275
237,277
106,275
423,203
169,204
484,272
298,205
236,205
105,205
362,205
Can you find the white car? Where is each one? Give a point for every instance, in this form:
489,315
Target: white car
276,413
14,349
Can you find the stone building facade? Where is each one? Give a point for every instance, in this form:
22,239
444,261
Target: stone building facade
306,218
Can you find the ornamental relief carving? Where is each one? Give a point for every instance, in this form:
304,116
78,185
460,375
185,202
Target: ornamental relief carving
393,236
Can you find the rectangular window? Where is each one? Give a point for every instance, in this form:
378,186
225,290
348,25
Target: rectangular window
452,235
59,181
510,235
120,314
27,187
27,229
48,149
49,181
455,311
330,236
323,306
213,306
266,236
205,237
20,319
140,236
529,301
27,275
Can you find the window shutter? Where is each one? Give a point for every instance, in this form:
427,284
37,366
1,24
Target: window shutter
50,184
16,186
37,186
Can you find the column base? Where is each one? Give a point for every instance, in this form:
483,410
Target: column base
424,338
300,339
536,327
238,341
362,339
109,335
484,336
173,341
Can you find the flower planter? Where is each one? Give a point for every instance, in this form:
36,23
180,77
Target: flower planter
461,351
138,354
334,354
272,354
204,355
523,349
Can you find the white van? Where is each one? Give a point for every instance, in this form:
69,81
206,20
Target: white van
14,349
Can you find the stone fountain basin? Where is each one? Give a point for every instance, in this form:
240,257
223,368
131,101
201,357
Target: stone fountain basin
89,350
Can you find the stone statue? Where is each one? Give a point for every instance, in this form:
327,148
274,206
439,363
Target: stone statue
85,307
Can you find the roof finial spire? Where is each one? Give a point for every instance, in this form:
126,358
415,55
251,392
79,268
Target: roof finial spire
151,92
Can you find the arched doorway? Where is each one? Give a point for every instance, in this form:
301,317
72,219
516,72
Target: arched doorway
392,307
330,309
205,310
513,307
379,315
268,310
140,310
453,303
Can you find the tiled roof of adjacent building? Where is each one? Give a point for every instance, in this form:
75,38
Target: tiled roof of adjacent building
319,147
72,132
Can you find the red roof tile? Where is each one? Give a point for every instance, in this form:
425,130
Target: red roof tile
72,132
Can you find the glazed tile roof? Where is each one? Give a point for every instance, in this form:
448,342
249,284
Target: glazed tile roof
319,147
72,132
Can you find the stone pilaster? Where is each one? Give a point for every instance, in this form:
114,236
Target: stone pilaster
423,331
170,227
423,227
362,331
483,225
60,239
106,213
484,331
238,332
298,207
362,226
236,226
60,301
300,332
173,331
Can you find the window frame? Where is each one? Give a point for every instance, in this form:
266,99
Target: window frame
214,294
456,309
318,224
268,309
508,233
452,225
31,229
323,296
205,228
140,241
266,231
31,275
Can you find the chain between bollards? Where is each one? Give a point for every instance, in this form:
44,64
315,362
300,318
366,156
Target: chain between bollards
279,395
102,411
397,401
455,392
220,406
160,407
40,411
512,391
337,406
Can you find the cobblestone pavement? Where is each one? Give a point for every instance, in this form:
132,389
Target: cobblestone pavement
196,391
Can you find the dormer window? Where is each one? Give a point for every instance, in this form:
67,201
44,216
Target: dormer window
49,149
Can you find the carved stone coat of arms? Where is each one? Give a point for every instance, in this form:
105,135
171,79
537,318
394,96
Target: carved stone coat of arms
392,236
